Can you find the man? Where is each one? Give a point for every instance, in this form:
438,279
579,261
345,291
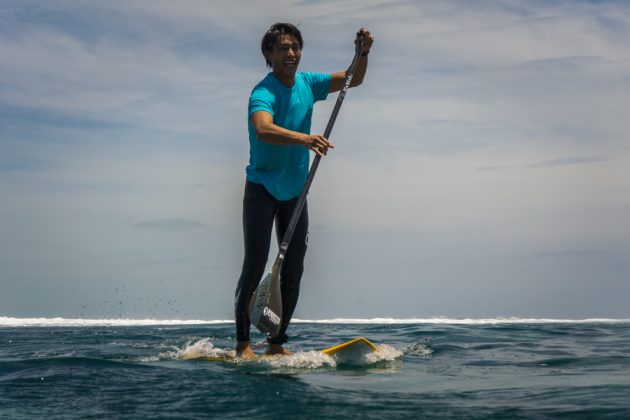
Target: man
280,110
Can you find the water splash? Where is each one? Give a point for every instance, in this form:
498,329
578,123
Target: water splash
312,359
205,349
202,349
418,349
384,353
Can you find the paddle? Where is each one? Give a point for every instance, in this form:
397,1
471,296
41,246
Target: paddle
265,308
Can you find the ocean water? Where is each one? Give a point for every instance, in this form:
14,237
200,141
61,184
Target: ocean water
434,368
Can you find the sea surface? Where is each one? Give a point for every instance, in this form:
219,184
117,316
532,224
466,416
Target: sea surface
431,368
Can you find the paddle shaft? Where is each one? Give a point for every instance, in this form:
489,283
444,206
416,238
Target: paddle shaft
297,211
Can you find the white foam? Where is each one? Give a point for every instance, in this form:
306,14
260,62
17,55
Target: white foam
200,349
312,359
458,321
204,348
384,353
418,349
81,322
303,359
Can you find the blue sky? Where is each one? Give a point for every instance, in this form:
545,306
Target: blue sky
481,170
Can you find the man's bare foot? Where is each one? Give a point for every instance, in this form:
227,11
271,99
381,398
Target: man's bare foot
274,349
244,350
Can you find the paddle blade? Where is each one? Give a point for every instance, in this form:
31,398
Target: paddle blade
265,308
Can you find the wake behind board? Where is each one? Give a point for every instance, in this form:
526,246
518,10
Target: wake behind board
352,351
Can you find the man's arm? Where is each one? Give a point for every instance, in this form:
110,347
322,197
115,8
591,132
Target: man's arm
269,132
337,79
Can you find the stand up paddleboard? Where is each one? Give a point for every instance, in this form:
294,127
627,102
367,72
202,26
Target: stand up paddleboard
349,351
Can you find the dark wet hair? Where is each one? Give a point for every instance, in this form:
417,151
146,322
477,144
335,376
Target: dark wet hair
274,32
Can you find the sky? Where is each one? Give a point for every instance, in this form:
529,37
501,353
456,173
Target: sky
481,170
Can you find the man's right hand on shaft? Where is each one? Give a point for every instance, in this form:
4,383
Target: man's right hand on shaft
317,143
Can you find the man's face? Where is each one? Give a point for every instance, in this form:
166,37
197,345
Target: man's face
285,56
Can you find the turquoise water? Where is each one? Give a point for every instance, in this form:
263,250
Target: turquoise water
441,368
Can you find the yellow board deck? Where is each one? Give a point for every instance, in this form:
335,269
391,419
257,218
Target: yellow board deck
358,345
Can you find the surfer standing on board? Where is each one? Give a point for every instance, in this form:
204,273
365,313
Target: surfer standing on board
279,123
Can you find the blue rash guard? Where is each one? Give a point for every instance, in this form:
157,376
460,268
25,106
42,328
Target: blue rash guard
282,170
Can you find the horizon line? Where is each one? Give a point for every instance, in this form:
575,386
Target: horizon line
6,321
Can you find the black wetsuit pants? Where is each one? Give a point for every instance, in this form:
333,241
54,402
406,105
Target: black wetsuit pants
260,209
